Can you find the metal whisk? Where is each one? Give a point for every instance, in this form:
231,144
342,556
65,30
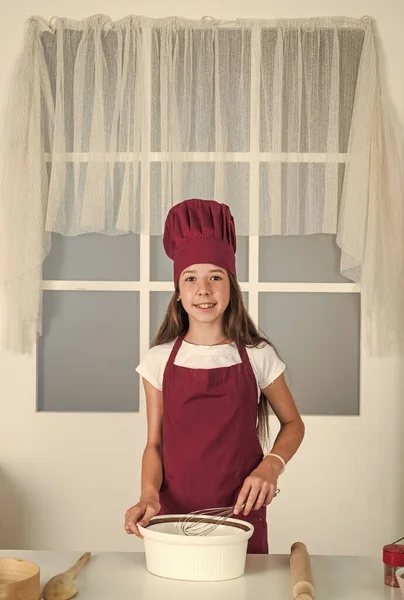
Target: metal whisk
204,522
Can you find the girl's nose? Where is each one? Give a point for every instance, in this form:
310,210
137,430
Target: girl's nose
204,288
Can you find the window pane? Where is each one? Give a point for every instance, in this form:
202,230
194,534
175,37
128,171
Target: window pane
120,198
237,191
161,267
300,258
234,71
306,98
318,336
158,307
209,67
127,133
301,198
350,52
93,257
197,180
88,352
245,299
242,258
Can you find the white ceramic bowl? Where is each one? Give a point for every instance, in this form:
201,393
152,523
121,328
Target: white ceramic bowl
218,556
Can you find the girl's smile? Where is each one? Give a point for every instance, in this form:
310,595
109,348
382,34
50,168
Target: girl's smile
206,306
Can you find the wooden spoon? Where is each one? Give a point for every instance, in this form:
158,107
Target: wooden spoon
62,587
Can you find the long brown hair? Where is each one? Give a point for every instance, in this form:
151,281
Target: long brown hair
237,326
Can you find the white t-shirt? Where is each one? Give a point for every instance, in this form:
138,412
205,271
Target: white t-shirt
264,361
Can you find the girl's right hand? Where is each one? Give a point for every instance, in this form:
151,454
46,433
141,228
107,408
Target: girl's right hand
141,513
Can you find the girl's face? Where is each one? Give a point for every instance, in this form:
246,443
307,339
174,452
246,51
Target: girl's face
204,292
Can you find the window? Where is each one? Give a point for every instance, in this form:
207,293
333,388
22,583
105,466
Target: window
275,161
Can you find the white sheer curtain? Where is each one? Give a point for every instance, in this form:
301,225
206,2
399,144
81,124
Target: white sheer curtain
111,123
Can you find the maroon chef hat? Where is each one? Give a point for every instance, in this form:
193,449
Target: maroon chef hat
200,232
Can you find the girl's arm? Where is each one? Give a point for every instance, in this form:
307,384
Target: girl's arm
152,464
291,433
260,487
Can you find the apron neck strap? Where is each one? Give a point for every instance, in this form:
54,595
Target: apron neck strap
176,347
246,362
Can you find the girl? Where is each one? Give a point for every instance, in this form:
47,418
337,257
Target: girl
209,378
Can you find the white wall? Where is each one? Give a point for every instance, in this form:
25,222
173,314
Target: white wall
66,480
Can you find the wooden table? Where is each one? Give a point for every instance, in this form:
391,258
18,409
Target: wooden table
123,576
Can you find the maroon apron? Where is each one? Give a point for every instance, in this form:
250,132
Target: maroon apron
210,442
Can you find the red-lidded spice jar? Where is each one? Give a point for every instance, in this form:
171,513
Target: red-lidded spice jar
393,559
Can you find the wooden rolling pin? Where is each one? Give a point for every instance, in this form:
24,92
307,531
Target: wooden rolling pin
300,572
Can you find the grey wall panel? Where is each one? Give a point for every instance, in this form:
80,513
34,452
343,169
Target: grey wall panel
161,267
318,336
93,257
158,307
245,299
89,351
300,258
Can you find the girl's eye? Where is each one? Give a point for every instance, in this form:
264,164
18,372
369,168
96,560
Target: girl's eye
214,278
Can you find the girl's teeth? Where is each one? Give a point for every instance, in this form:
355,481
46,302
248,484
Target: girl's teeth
205,305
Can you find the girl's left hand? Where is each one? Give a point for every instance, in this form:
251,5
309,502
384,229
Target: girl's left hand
258,489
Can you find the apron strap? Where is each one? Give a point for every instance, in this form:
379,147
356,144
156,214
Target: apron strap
247,363
175,349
